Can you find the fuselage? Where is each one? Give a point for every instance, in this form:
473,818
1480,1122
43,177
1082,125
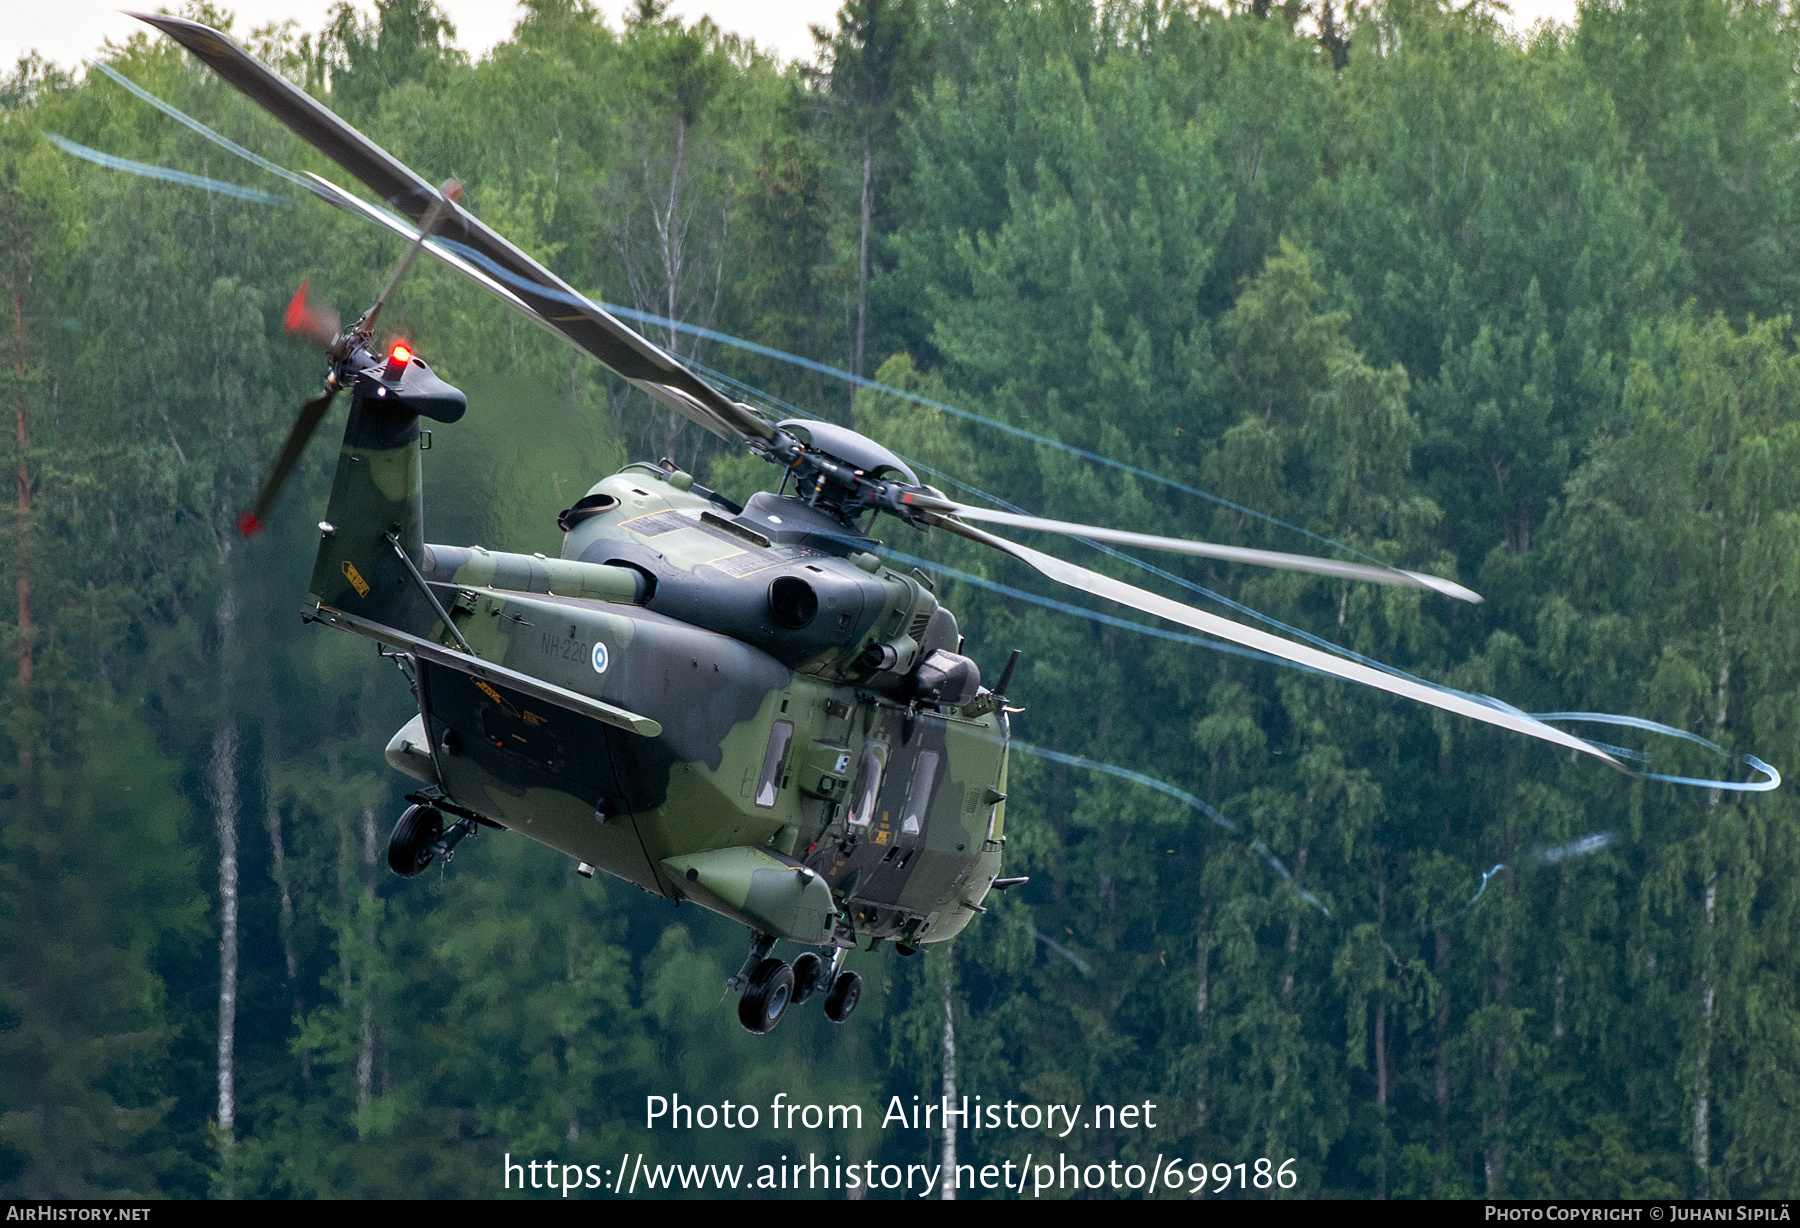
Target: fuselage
899,809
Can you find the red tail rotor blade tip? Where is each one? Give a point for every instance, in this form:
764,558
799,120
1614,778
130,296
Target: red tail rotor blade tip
297,315
248,525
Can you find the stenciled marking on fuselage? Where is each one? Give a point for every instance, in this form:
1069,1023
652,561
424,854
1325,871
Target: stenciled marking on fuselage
565,649
507,706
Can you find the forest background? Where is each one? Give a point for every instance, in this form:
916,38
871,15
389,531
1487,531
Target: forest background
1517,311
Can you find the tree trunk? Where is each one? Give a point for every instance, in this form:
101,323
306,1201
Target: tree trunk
672,271
1202,967
1557,1026
365,1060
1495,1159
862,264
1702,1083
1292,947
222,791
26,788
1381,1070
1441,1045
278,866
223,786
948,1154
1702,1140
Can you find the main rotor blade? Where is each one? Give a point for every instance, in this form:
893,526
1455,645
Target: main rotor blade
1150,603
251,522
1231,554
332,194
579,320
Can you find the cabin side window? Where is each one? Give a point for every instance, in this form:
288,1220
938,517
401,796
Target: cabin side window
868,784
918,797
769,782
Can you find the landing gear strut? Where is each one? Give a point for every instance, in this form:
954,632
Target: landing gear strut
845,988
809,974
846,991
760,946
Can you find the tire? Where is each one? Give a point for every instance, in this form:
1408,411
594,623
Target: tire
409,847
809,974
771,992
843,997
903,949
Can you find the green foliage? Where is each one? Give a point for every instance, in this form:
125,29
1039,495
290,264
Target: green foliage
86,1021
1516,311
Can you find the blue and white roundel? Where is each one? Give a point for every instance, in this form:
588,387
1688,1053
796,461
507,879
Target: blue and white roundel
599,658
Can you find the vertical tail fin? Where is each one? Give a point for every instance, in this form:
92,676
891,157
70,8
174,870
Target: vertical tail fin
378,491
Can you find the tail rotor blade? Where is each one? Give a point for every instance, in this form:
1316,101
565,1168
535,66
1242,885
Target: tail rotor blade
314,321
250,522
447,196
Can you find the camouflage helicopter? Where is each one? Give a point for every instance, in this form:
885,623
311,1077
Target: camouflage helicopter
743,707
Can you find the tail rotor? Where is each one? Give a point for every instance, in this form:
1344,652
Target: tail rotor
319,323
251,520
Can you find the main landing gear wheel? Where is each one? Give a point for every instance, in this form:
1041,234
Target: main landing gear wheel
410,846
809,974
766,999
843,997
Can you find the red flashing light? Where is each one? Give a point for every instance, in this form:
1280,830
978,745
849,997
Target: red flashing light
401,354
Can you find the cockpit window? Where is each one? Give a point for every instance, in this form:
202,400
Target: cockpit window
918,797
768,783
868,783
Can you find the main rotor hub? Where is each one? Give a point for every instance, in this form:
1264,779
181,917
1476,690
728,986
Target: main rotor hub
841,471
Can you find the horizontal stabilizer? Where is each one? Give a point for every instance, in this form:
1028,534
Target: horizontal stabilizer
499,675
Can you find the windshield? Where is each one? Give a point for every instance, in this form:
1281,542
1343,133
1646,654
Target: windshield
868,783
919,796
768,783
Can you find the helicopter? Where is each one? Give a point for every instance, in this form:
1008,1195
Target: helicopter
740,706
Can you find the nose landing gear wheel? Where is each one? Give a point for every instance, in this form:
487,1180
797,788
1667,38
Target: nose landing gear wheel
843,997
409,847
809,974
766,999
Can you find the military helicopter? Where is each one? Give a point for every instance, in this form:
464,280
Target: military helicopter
743,707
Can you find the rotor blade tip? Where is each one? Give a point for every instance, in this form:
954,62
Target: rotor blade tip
248,525
296,308
1449,588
